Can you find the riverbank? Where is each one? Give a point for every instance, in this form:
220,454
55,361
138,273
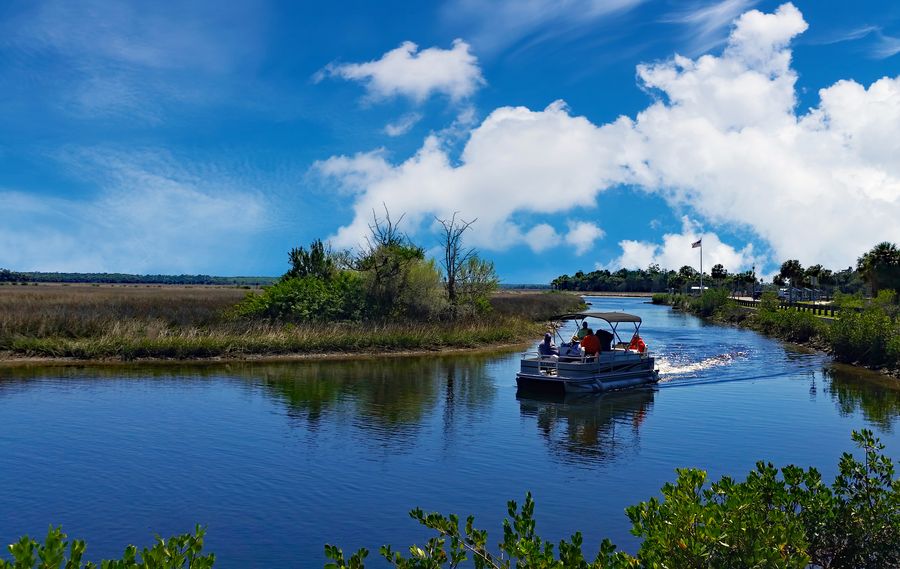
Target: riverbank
78,324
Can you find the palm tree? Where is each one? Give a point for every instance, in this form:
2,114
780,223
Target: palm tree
880,267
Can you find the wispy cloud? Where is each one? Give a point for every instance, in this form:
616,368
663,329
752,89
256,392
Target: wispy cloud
402,125
886,46
880,45
499,24
129,57
708,23
150,214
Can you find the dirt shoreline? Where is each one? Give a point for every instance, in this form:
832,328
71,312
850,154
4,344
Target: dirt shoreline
12,361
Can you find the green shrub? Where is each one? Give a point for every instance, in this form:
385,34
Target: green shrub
307,299
179,552
868,337
661,298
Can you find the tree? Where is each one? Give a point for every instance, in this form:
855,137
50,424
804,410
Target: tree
880,267
455,256
719,273
477,280
792,270
317,262
385,261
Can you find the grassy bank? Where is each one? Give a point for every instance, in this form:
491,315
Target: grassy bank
129,323
869,338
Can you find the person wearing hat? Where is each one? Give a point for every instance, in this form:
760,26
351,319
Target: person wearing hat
547,347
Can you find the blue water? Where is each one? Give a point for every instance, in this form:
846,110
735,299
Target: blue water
279,459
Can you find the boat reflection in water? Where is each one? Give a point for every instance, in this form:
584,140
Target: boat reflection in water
597,427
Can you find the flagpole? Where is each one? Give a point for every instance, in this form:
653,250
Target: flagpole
701,266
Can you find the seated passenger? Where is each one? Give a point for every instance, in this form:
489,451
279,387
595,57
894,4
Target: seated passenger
606,339
637,344
547,347
580,334
591,344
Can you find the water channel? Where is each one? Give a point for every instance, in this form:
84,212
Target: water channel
276,459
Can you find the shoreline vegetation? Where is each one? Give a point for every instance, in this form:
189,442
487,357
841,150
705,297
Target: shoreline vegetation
101,323
786,517
384,296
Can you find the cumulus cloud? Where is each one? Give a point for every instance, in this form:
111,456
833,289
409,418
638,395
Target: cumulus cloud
722,140
582,235
676,251
408,72
516,160
150,216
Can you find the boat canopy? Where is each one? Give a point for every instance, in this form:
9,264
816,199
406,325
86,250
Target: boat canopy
611,317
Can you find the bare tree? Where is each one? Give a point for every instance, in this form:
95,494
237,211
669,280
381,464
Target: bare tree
455,256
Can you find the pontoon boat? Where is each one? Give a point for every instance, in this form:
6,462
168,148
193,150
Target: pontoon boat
625,364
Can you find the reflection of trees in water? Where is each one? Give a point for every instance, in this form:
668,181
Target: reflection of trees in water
596,428
855,390
388,397
391,398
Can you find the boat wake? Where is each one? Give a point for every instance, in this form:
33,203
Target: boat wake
673,369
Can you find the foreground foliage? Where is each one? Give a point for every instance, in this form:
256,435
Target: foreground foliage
785,518
179,552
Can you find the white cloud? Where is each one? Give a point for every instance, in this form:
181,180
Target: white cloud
541,237
676,251
516,160
582,235
408,72
150,216
723,141
403,124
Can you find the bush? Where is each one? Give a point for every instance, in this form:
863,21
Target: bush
307,299
179,552
661,298
870,337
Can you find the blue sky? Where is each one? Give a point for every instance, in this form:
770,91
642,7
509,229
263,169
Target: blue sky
209,137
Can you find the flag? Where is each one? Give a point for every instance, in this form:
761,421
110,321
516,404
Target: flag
696,243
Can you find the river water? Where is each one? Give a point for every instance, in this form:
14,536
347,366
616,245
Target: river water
278,459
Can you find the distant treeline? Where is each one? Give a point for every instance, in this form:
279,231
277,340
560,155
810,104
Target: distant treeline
124,278
656,279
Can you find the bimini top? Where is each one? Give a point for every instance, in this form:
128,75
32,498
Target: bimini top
608,316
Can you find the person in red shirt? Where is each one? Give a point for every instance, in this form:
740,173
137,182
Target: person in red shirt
591,344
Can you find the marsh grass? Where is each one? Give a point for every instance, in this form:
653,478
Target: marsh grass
169,322
535,305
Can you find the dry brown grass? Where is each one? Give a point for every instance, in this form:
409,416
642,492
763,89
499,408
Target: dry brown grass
85,311
128,322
